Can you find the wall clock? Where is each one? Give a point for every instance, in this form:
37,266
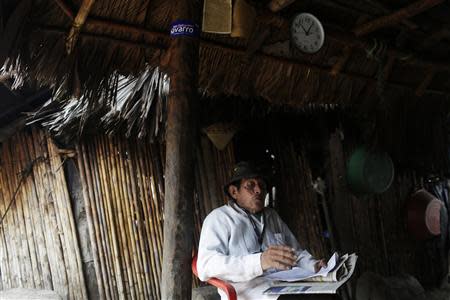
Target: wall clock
307,33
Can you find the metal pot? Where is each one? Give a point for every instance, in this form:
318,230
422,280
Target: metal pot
369,172
424,215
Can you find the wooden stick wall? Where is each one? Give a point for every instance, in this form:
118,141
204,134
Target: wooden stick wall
373,226
123,192
212,170
124,204
38,242
297,201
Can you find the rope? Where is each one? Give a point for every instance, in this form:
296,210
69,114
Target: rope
24,174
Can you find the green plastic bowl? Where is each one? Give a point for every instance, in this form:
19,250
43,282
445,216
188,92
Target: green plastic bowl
369,172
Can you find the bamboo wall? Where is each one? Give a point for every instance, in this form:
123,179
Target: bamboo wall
38,244
124,203
124,192
213,168
297,200
373,226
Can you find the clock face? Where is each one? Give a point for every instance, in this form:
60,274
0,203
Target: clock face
307,33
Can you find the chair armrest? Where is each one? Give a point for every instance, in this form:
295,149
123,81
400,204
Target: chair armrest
221,284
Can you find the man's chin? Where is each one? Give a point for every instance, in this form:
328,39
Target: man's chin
259,206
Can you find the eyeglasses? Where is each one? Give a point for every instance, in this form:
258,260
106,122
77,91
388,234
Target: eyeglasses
250,185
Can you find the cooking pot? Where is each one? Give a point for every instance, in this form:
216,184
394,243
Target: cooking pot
424,215
369,172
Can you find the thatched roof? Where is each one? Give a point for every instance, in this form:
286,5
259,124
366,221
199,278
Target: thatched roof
356,66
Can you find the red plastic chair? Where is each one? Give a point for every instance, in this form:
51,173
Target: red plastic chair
223,285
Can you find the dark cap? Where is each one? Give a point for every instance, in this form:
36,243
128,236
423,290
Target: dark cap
241,170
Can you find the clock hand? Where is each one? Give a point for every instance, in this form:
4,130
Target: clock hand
303,29
310,26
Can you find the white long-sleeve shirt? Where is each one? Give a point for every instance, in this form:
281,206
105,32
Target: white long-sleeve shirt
229,249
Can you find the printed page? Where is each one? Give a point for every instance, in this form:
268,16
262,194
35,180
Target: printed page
281,288
297,274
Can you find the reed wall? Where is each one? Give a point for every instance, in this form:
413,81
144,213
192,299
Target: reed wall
38,243
124,192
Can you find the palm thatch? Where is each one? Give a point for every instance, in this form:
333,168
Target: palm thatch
128,107
122,38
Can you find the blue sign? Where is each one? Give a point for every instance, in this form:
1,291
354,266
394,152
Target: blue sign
184,28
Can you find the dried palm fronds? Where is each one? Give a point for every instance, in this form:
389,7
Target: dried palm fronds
7,74
128,105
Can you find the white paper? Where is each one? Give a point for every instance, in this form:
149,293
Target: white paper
297,274
280,288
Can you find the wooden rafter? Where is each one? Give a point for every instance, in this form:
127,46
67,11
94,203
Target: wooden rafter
164,42
340,64
78,22
160,40
349,40
65,8
396,17
408,58
411,25
277,5
274,20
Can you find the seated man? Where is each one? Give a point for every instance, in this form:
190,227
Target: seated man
243,240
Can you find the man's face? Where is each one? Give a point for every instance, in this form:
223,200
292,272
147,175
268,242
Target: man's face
250,195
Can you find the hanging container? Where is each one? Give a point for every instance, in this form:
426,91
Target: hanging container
424,215
369,172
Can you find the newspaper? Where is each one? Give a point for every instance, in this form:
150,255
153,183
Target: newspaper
297,274
321,283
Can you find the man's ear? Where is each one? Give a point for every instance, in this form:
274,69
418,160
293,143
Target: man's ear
233,190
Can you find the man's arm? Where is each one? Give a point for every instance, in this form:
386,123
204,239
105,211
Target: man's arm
213,259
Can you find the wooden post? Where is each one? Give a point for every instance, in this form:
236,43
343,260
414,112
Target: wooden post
182,62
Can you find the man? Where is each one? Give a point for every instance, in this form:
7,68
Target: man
243,240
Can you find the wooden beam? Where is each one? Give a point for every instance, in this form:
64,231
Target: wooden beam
65,8
350,40
277,5
396,17
340,64
108,25
78,22
161,45
409,24
408,58
107,38
181,134
273,20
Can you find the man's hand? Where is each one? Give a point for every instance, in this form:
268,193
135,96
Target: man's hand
321,263
278,257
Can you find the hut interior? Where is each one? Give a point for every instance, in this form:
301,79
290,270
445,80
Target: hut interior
84,93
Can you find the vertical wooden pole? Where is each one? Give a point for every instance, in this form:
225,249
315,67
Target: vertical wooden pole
182,58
